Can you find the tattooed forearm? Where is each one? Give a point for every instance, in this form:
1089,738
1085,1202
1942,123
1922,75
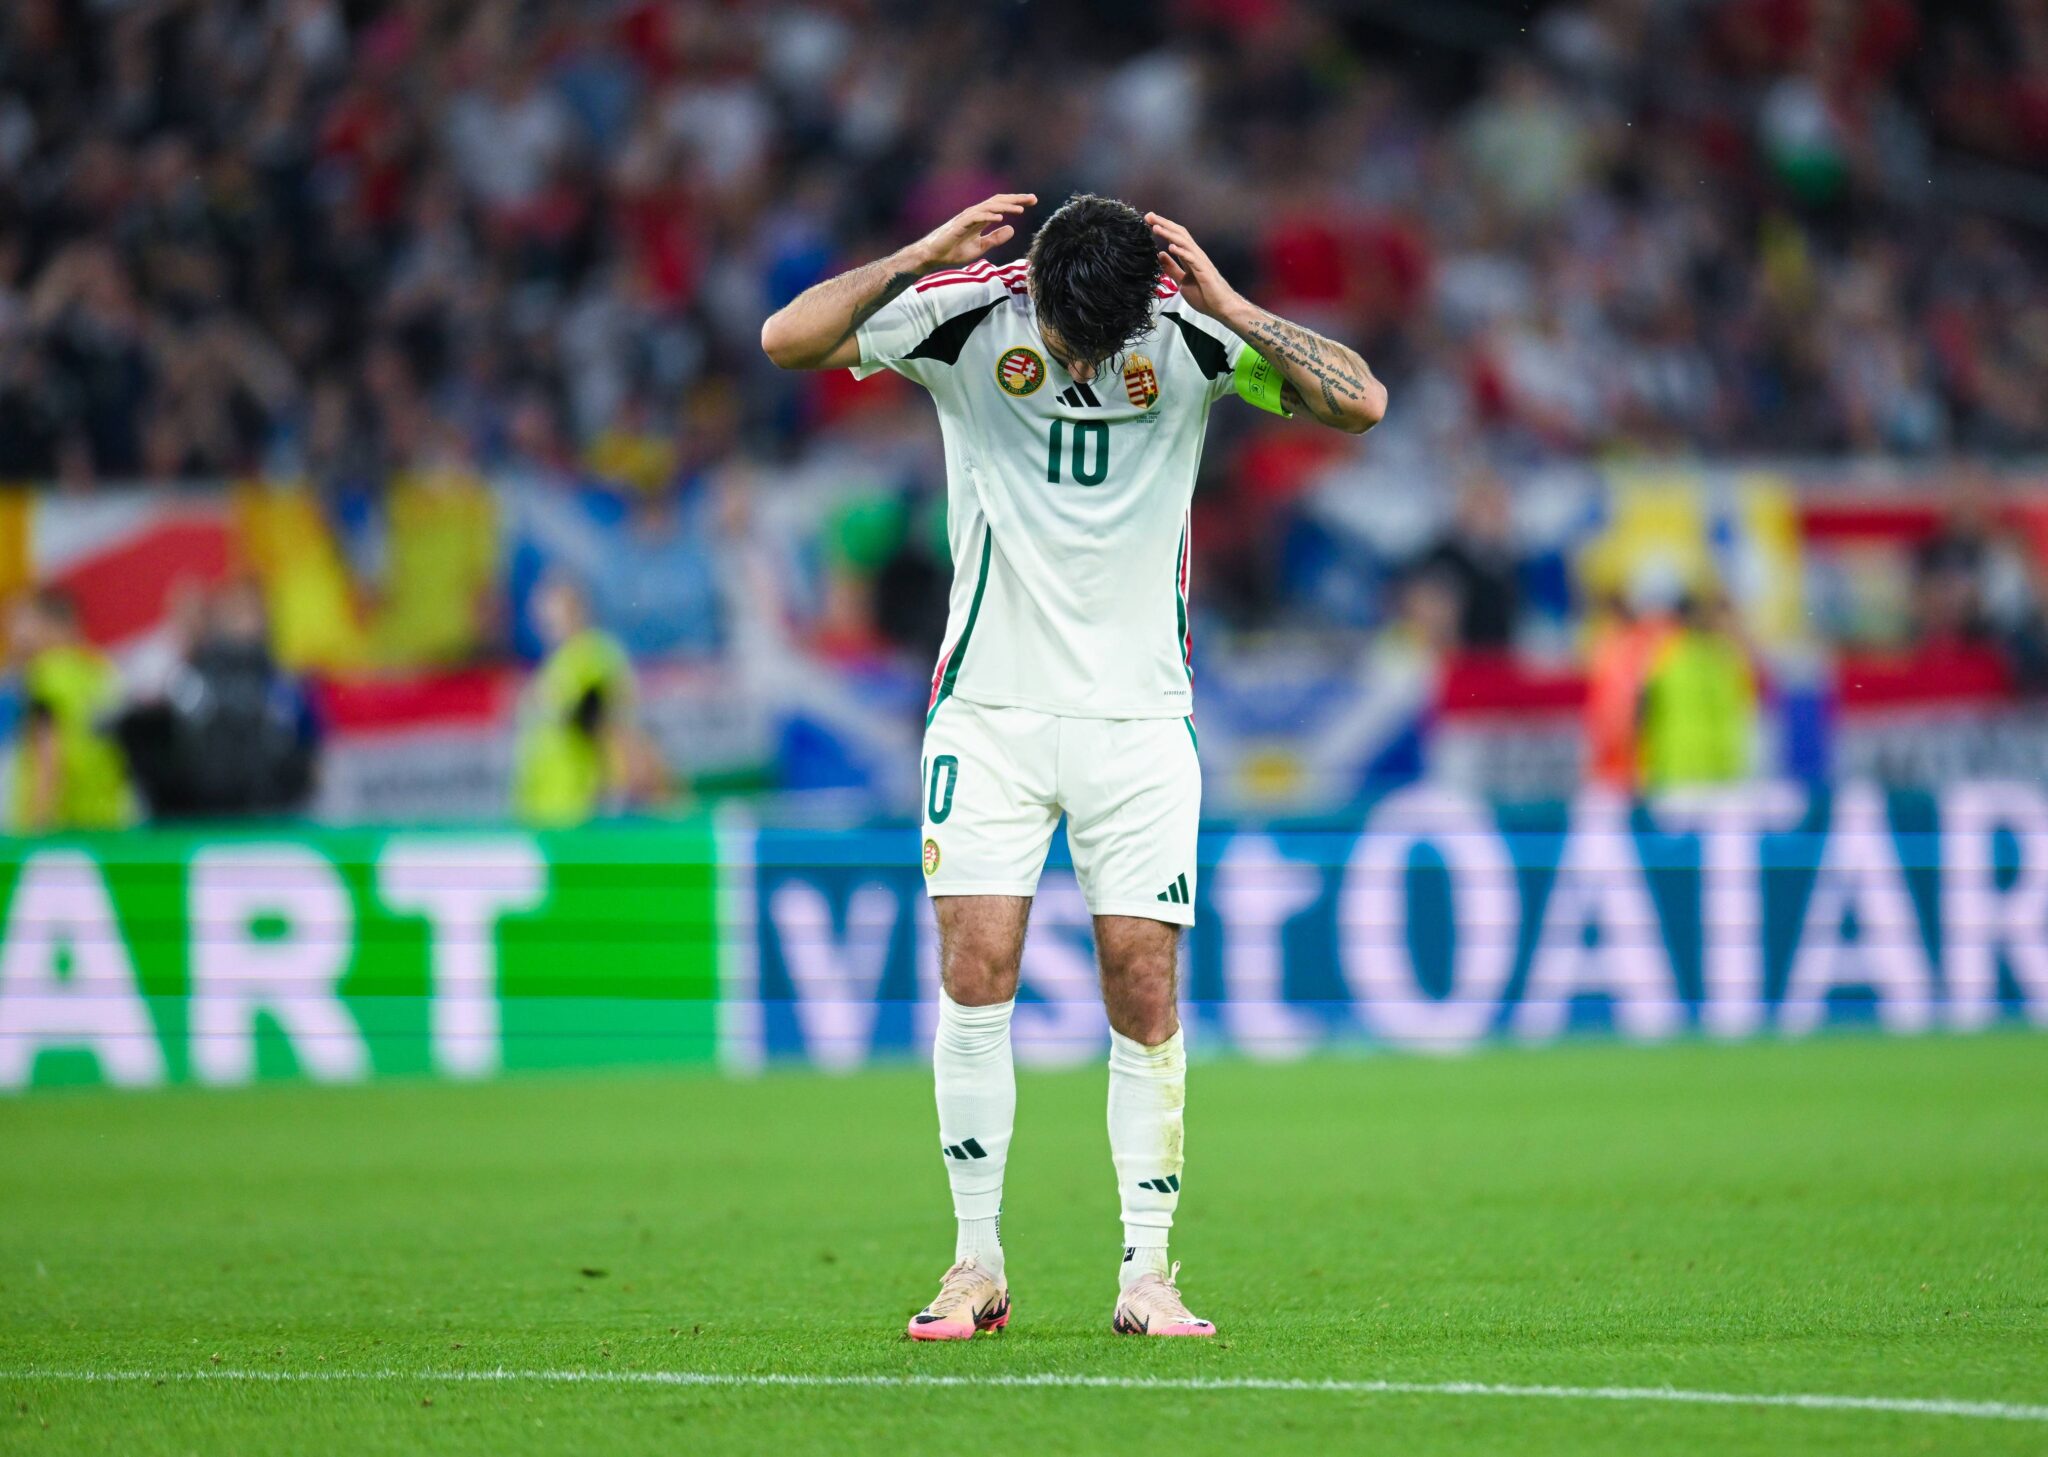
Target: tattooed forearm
1333,382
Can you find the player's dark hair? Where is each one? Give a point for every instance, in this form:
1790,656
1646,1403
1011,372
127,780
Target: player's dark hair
1094,272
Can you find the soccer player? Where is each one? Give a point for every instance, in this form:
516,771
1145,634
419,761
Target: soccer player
1073,390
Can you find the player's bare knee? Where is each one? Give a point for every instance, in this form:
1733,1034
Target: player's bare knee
1139,981
979,969
1142,1005
981,943
975,978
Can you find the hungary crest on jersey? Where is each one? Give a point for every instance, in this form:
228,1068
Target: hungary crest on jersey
1020,371
1140,382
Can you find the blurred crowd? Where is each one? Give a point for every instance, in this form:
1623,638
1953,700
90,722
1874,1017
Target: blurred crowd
387,251
350,236
356,239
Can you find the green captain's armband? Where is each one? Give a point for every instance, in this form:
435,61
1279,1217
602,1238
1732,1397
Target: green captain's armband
1259,383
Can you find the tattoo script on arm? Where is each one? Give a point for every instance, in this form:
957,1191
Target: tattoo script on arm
1306,356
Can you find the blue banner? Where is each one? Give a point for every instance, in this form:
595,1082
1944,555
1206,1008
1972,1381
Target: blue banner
1437,921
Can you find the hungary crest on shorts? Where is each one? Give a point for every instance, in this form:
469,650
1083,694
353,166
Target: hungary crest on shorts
1141,383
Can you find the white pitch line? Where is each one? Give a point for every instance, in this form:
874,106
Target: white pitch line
1804,1401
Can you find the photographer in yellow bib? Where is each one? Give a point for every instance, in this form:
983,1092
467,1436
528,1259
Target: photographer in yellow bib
581,749
68,772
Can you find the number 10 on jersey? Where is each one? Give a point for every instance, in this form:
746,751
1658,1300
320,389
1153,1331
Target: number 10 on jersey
1089,460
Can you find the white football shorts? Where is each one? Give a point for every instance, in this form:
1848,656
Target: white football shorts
996,780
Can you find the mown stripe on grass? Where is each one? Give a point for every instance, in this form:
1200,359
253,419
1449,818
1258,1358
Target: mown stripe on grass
1805,1401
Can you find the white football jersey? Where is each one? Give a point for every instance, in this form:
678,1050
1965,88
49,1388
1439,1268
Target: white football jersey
1067,504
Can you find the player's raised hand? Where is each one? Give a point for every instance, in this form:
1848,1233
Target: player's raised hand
975,231
820,327
1181,259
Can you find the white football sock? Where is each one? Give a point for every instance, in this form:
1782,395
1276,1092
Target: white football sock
982,1241
976,1087
1147,1091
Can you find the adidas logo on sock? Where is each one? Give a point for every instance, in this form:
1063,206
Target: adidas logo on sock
1177,892
1168,1185
966,1148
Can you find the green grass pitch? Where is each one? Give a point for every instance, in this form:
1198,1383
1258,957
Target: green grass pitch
1850,1217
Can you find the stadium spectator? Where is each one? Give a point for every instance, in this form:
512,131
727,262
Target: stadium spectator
1625,640
1476,561
1978,584
581,750
1699,701
1971,582
69,773
225,731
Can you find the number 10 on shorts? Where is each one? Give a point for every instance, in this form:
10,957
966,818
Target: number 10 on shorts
944,775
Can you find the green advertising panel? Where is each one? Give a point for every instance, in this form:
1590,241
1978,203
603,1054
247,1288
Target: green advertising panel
152,957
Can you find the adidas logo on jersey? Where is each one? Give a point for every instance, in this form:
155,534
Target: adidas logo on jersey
1079,397
1177,892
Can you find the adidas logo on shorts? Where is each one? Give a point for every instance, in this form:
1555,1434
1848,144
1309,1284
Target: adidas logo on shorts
1177,893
